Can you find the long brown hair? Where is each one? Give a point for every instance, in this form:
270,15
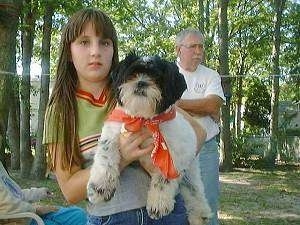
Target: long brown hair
62,106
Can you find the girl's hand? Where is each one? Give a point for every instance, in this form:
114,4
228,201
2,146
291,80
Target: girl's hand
130,146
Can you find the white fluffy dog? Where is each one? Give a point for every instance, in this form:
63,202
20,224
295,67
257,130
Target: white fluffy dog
147,88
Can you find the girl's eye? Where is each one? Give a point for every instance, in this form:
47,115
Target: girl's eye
106,43
84,42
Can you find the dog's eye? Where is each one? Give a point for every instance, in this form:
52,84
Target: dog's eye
135,76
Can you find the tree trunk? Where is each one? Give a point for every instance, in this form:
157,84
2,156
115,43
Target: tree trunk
239,91
27,48
40,165
9,11
13,131
207,18
224,72
238,113
271,153
201,16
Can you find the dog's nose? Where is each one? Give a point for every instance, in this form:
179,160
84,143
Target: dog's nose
142,84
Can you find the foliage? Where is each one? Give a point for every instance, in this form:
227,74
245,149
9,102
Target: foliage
247,152
290,63
250,37
149,27
289,89
257,104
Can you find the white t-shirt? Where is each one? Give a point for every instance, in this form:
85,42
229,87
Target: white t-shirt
201,83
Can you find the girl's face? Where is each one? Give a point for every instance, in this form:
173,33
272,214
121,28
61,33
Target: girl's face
92,57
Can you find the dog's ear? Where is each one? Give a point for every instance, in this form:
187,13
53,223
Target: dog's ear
120,69
174,84
178,81
118,75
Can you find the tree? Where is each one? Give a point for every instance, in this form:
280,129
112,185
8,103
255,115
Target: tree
247,35
289,52
27,48
257,105
13,130
9,15
224,72
40,165
201,16
272,151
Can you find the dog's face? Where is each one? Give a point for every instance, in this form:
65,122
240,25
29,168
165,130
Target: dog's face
146,86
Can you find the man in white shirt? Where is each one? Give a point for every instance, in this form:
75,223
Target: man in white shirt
202,99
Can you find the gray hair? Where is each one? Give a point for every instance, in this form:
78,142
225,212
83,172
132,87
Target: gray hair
182,34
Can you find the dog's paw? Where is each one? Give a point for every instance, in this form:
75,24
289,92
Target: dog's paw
99,193
159,206
206,215
200,214
196,219
102,189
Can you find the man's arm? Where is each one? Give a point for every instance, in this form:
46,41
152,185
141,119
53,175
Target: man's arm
208,106
10,195
35,194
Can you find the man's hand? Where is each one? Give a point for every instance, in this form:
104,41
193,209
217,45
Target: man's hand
216,117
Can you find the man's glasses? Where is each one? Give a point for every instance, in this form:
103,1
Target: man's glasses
193,46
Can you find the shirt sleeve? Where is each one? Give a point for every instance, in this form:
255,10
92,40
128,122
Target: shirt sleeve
35,194
50,133
11,198
215,87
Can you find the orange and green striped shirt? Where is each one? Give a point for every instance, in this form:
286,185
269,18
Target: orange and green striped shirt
91,115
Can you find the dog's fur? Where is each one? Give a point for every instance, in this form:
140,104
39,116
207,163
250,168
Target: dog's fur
146,87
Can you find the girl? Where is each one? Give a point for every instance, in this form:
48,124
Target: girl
80,101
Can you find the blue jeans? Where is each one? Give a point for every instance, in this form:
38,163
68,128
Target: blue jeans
209,165
140,217
65,216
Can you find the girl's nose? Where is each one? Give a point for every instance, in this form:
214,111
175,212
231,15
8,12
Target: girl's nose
95,49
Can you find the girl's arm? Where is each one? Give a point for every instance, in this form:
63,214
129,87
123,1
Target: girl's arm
73,182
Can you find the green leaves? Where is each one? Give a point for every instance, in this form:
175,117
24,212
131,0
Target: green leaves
257,104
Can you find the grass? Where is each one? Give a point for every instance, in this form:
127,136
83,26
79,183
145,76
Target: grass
252,197
248,197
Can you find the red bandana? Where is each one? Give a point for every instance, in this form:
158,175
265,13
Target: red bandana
160,156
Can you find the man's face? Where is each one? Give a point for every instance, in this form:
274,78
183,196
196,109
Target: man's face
190,52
